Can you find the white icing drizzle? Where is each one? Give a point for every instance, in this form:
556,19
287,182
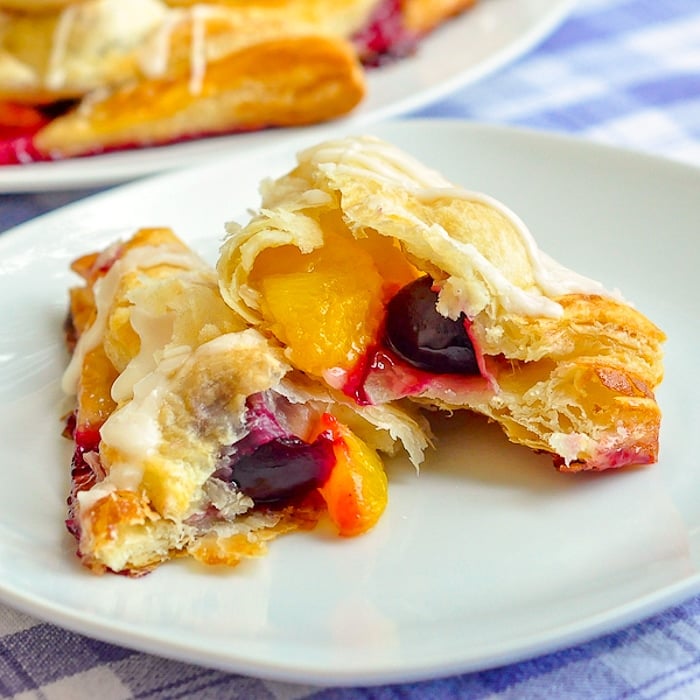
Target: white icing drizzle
511,295
154,333
133,430
55,72
368,157
198,54
552,278
155,54
104,290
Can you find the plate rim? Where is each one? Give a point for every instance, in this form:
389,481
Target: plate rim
573,634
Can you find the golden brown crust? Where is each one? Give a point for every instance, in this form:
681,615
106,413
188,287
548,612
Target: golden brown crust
591,414
36,6
214,550
596,368
123,533
280,82
591,326
345,17
133,528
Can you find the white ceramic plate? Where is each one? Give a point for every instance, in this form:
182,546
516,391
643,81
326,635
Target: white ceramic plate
462,51
489,555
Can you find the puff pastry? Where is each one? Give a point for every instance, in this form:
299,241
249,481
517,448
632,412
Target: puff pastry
114,76
386,281
101,75
193,436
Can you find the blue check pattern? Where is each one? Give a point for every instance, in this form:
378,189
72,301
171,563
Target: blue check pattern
623,72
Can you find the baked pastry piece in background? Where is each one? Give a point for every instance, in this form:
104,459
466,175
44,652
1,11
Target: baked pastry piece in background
80,78
111,74
386,281
193,436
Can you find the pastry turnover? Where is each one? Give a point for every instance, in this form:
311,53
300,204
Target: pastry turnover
387,281
85,77
193,435
111,74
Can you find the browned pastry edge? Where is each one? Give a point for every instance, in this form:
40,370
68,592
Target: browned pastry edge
425,15
36,6
282,82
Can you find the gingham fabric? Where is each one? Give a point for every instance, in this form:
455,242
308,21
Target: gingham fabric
625,72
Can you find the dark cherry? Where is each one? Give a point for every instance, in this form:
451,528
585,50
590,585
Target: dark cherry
416,332
283,469
82,474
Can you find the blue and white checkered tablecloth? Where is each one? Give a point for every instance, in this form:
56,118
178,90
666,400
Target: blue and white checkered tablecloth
624,72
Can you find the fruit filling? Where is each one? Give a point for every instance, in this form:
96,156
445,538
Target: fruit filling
356,308
85,470
327,306
283,469
21,148
425,339
18,124
356,491
271,464
385,36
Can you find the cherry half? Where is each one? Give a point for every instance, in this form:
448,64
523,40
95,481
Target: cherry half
424,338
284,468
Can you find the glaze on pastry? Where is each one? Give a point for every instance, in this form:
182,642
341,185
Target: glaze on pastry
387,281
193,436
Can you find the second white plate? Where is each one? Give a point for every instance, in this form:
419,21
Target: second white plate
462,51
489,555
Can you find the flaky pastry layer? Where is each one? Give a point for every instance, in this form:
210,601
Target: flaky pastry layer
564,366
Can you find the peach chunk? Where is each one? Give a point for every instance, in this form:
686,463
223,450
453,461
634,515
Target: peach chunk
327,306
356,492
